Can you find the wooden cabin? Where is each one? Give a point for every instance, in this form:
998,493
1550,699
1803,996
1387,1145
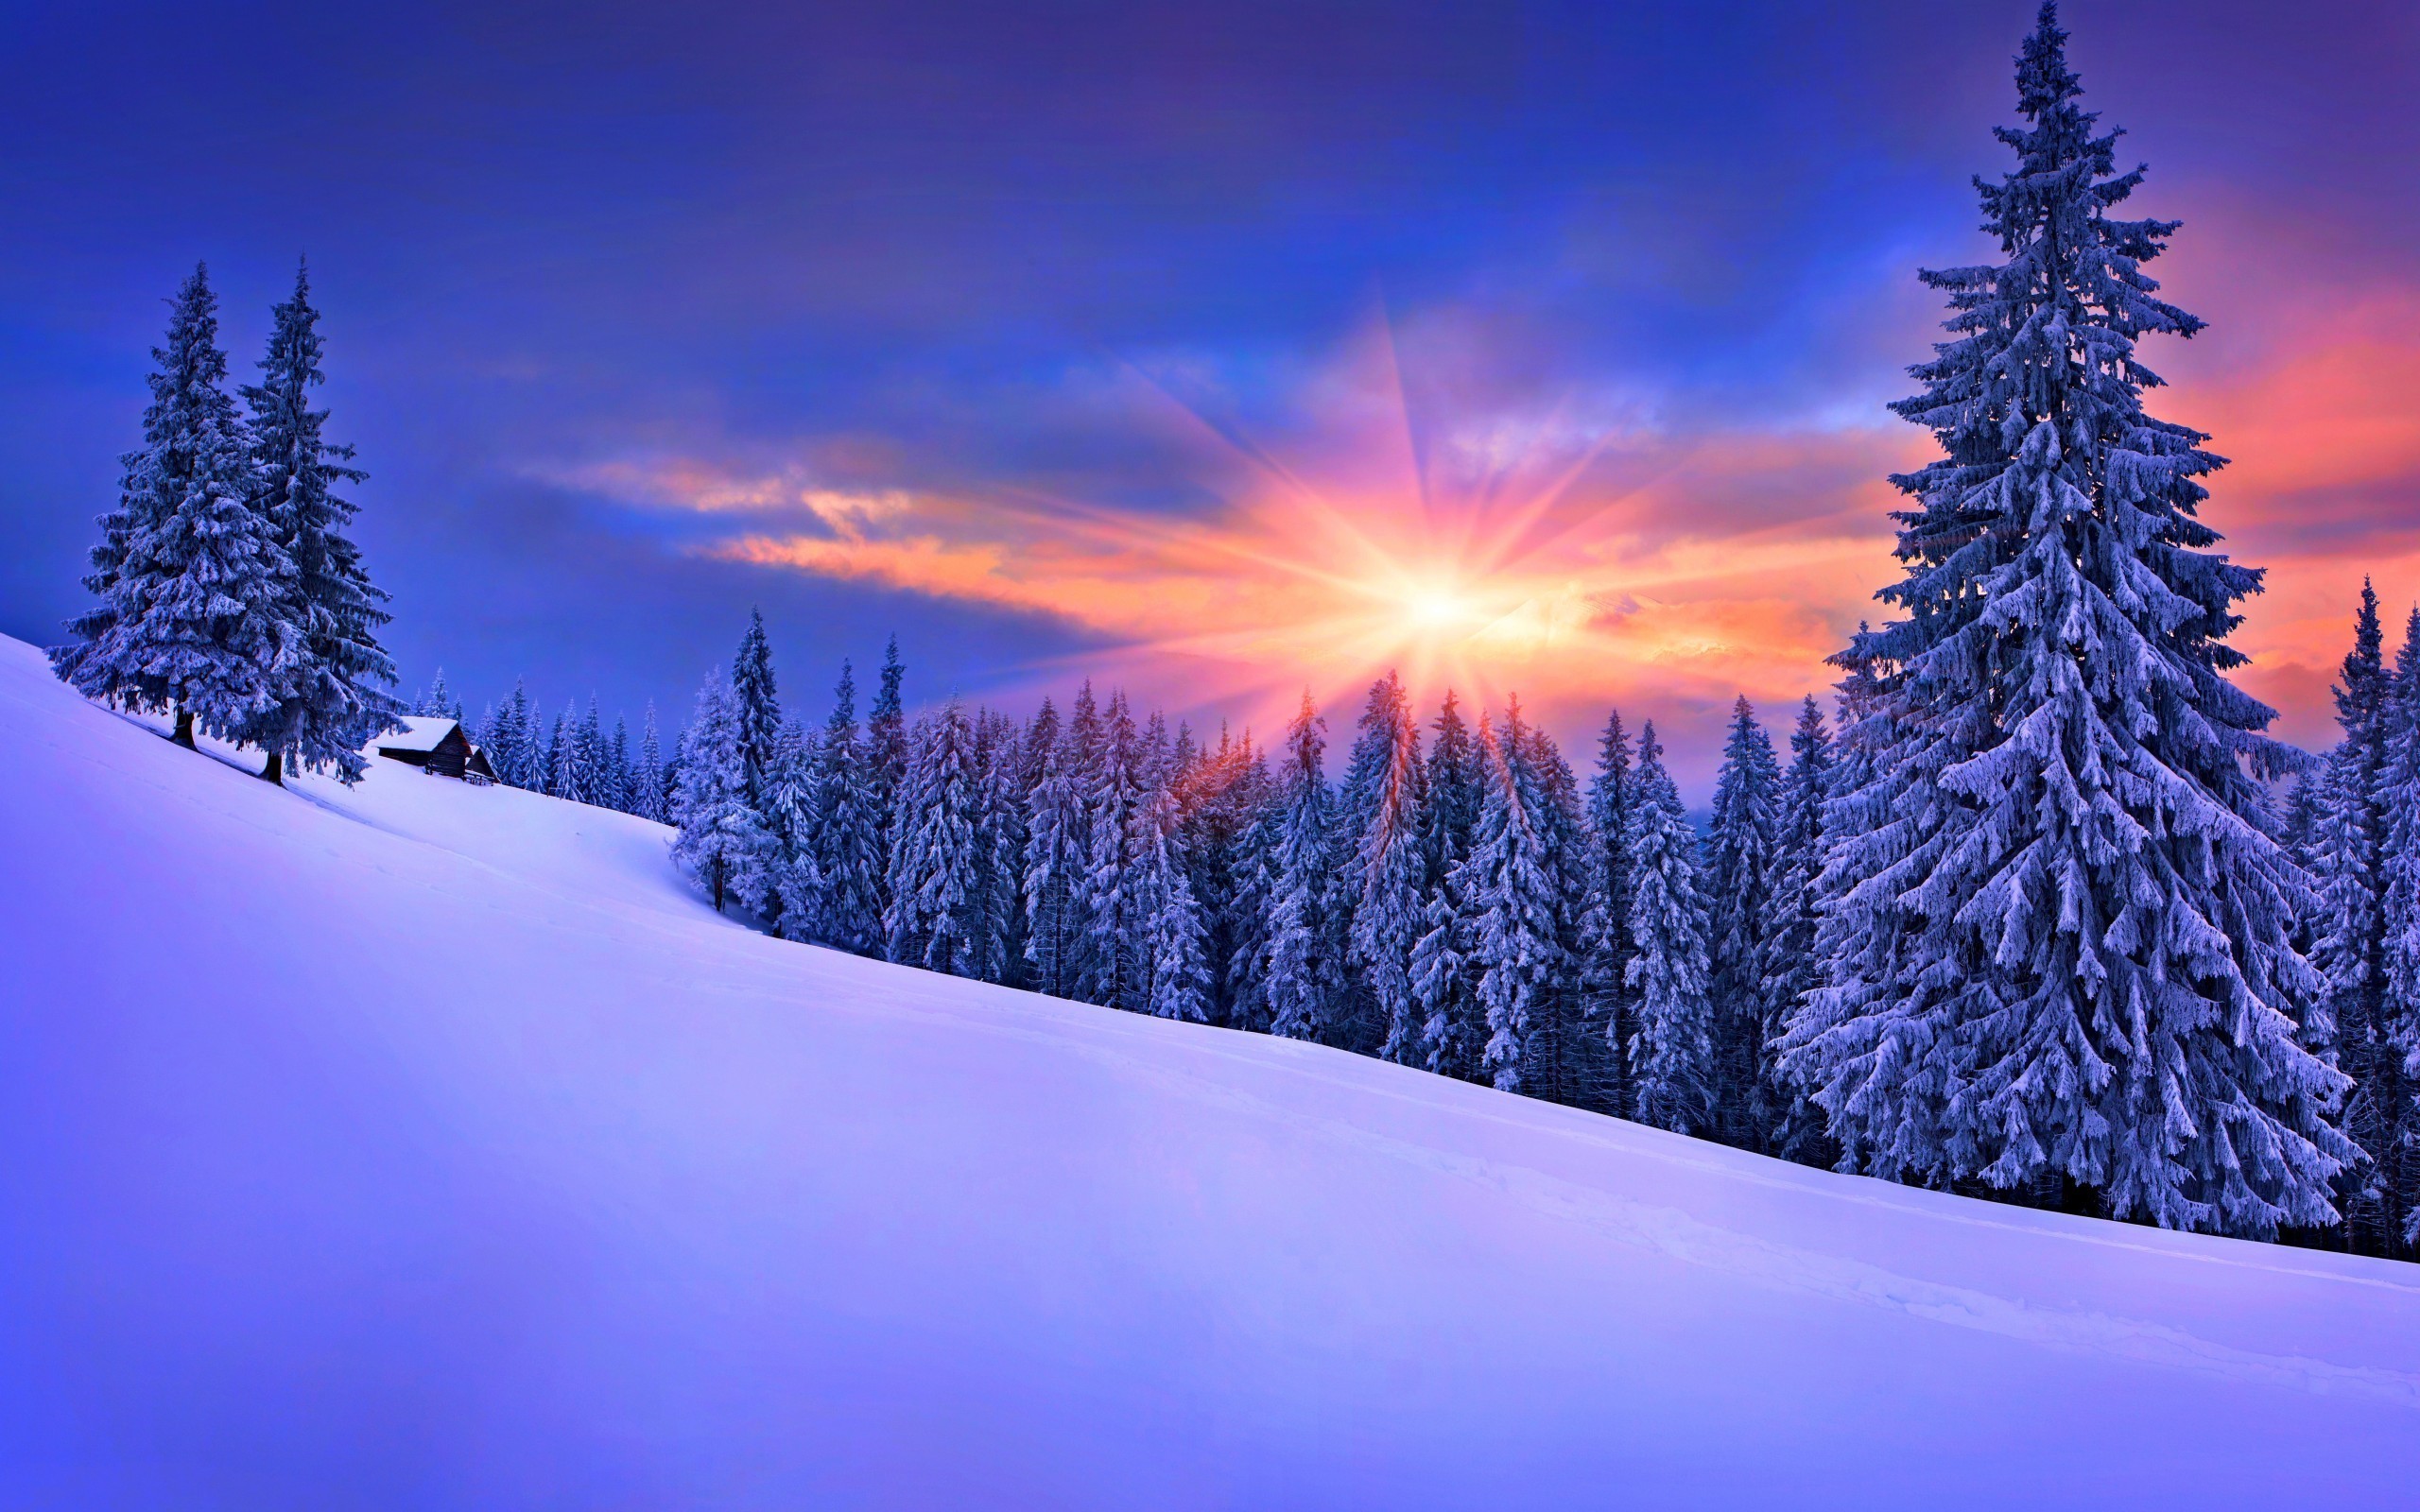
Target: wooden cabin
436,744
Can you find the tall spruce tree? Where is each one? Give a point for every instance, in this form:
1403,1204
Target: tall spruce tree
789,813
849,833
1115,970
1452,1031
1609,949
648,779
1671,1055
1793,914
2382,1115
754,687
1303,979
1390,877
1058,854
886,745
334,697
2100,985
1513,948
1739,860
934,857
721,842
191,614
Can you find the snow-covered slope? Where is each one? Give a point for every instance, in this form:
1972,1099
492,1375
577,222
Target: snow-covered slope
426,1145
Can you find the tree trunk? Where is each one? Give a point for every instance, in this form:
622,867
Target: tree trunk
184,730
274,771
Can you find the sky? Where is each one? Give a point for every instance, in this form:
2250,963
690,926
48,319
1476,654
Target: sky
1218,353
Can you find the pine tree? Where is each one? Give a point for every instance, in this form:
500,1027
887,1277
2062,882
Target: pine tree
1672,1056
2098,985
1217,803
620,778
886,750
574,779
1739,859
1569,1060
192,617
934,857
1389,877
1609,949
1176,974
1116,967
1250,907
1058,853
997,908
1509,898
760,707
789,814
2382,1115
1797,1127
1303,975
333,698
437,700
849,832
720,844
1452,1031
648,779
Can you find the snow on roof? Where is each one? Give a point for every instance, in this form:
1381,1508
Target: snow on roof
421,732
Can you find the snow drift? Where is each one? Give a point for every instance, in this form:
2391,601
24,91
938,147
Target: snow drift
430,1146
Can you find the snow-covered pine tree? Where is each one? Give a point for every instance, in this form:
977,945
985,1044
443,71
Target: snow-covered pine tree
511,744
595,756
2348,930
1569,1061
790,814
1608,949
646,779
760,706
1793,915
2100,985
2349,927
1176,980
997,908
934,857
849,832
549,757
1302,978
2388,1125
334,697
192,617
620,778
1058,851
1389,877
1252,869
1672,1053
886,752
1510,900
1452,1031
1115,969
1213,812
437,700
1738,854
720,843
571,778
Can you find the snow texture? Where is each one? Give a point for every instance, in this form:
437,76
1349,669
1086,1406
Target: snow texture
647,1209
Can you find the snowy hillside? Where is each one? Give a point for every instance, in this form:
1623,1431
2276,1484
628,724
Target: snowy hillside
425,1145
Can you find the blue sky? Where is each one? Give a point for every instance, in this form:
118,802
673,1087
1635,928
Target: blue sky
956,312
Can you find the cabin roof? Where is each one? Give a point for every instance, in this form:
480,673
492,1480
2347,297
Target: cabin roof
421,732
